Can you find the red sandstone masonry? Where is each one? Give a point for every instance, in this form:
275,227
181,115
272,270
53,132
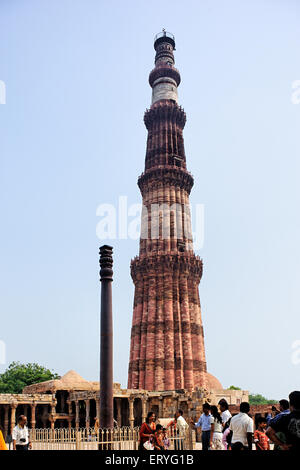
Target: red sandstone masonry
167,343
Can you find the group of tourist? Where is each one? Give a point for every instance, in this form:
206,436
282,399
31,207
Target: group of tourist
153,436
222,431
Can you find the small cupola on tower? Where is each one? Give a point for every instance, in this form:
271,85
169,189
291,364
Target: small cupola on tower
164,78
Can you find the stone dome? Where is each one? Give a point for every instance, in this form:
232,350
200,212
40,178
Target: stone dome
213,383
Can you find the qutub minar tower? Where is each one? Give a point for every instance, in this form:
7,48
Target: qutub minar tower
167,343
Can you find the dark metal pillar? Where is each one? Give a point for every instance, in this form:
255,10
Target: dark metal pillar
106,346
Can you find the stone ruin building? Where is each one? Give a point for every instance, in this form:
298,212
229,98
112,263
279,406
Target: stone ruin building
74,402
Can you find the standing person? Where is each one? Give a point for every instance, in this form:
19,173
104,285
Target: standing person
204,422
261,440
225,413
288,425
147,429
20,435
166,440
226,439
284,408
216,434
158,441
2,441
241,426
181,427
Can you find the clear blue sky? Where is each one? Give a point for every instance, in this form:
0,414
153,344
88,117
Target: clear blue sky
72,137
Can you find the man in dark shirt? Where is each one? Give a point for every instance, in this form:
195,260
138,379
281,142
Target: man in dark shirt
288,424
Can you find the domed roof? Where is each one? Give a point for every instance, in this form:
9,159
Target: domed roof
70,381
213,383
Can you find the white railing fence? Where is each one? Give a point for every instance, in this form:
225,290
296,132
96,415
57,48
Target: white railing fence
123,438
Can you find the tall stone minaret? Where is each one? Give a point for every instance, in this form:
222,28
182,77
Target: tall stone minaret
167,344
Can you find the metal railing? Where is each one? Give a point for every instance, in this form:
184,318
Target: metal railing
163,34
119,438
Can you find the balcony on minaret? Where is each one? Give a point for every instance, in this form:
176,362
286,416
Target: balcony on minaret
164,78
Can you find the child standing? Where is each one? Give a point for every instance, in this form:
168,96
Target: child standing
261,440
166,440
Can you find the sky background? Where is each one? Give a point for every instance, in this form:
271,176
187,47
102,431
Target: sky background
72,137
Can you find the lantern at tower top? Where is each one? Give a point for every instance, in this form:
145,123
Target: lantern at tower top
164,78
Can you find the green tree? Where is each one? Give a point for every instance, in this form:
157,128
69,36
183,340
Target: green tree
233,387
18,375
258,399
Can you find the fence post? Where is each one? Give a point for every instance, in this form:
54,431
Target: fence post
193,439
78,439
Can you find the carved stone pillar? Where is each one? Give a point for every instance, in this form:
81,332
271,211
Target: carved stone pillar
77,419
53,412
69,410
119,411
6,409
160,407
87,413
144,409
69,413
98,411
33,408
131,412
25,407
13,408
189,408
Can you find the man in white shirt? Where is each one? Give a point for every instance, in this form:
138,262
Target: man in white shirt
20,435
241,427
182,427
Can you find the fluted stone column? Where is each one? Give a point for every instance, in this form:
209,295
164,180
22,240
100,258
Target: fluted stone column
131,411
151,346
144,409
160,407
119,411
33,409
25,407
13,408
87,413
69,403
169,333
159,328
6,410
77,417
52,415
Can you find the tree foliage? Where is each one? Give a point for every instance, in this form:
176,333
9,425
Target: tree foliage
258,399
18,375
255,399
